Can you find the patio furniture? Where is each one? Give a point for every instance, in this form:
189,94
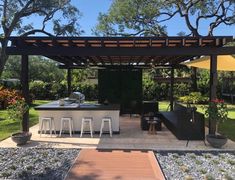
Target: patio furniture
44,122
109,121
69,121
147,118
149,109
185,123
152,123
87,121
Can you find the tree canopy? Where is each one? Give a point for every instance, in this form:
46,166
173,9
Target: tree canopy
61,15
40,68
148,17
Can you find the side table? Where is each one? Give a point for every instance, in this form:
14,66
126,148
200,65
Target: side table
152,124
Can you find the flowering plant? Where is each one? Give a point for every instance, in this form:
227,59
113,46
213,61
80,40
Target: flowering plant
6,95
17,107
217,111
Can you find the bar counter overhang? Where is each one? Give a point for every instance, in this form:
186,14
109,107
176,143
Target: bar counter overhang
78,111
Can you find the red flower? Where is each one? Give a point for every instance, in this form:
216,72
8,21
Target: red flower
217,100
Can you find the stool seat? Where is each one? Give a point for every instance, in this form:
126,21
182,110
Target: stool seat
50,121
109,121
68,120
87,120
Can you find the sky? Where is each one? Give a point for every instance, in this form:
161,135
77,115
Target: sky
90,10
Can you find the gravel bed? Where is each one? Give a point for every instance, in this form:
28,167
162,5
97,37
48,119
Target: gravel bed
199,165
36,163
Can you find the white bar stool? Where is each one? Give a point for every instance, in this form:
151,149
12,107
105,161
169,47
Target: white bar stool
68,120
49,121
85,121
109,121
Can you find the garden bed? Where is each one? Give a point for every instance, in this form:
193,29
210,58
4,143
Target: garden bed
197,164
35,163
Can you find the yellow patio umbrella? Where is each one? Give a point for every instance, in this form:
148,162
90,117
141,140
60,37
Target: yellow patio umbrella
224,63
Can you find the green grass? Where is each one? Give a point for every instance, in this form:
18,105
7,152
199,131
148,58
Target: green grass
227,128
8,126
164,105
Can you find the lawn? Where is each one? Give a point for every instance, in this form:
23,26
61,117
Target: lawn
227,128
7,126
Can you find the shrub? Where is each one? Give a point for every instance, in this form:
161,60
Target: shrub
58,90
38,89
194,98
6,95
89,90
181,89
44,90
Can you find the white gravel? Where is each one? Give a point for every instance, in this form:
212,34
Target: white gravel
199,165
50,163
36,163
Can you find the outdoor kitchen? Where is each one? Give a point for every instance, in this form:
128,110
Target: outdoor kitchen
75,108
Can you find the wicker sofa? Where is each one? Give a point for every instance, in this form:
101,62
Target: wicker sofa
185,123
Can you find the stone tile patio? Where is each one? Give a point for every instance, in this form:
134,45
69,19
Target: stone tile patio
130,137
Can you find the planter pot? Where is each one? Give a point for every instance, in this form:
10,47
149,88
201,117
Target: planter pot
216,141
21,138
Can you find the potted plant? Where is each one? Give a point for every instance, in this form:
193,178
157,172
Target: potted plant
16,109
217,112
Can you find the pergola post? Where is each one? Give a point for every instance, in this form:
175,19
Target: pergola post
25,89
172,89
69,78
213,84
194,79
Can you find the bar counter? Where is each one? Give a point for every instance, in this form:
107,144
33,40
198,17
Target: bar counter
78,111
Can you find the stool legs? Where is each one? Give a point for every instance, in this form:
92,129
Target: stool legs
50,128
84,121
106,120
101,128
110,129
91,129
54,126
41,127
70,124
50,122
81,129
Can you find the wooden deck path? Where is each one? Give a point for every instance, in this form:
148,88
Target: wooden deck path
115,164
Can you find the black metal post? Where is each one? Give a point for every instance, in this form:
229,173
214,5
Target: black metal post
172,89
25,89
69,78
194,79
213,84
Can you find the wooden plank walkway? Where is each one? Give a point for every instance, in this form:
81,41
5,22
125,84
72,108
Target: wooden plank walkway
115,164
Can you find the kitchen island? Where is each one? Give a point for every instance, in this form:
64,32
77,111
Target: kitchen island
78,111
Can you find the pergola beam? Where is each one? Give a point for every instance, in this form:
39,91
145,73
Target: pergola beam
96,51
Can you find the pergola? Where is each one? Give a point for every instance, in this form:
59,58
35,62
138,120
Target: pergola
114,52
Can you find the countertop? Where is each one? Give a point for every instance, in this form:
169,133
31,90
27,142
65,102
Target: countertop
75,106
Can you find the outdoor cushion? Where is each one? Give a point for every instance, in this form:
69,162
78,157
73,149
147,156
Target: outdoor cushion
170,116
